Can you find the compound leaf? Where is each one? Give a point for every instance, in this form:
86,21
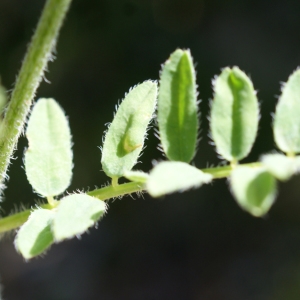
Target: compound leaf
35,236
48,159
286,120
75,214
234,114
254,189
177,107
169,177
125,137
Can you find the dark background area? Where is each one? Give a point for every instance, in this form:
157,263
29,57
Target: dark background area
197,245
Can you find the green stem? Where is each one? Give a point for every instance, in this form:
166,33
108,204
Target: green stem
30,76
224,171
108,192
18,219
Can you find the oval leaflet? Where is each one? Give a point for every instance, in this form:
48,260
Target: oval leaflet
234,114
177,112
48,159
125,137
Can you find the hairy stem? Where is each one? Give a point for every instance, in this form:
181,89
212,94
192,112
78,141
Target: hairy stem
223,172
30,76
109,192
16,220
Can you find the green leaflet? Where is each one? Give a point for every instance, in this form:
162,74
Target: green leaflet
234,114
75,214
254,189
48,159
35,236
287,121
169,177
281,166
124,139
177,107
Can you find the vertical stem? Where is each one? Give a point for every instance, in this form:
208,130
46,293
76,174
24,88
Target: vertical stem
30,76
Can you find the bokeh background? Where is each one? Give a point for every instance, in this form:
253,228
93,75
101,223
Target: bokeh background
198,245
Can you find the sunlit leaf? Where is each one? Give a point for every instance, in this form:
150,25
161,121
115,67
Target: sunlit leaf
35,236
125,137
169,177
234,114
75,214
48,159
286,119
254,189
177,107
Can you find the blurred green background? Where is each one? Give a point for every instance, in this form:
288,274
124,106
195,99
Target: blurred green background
195,245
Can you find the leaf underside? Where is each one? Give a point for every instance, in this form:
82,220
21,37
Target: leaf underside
254,189
48,159
169,177
35,236
75,214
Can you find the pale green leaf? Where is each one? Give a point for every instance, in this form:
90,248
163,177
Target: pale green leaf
177,107
254,189
35,236
48,159
75,214
281,166
286,120
234,114
169,177
137,176
125,137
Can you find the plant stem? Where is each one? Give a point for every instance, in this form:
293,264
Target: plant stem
18,219
224,171
108,192
30,76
